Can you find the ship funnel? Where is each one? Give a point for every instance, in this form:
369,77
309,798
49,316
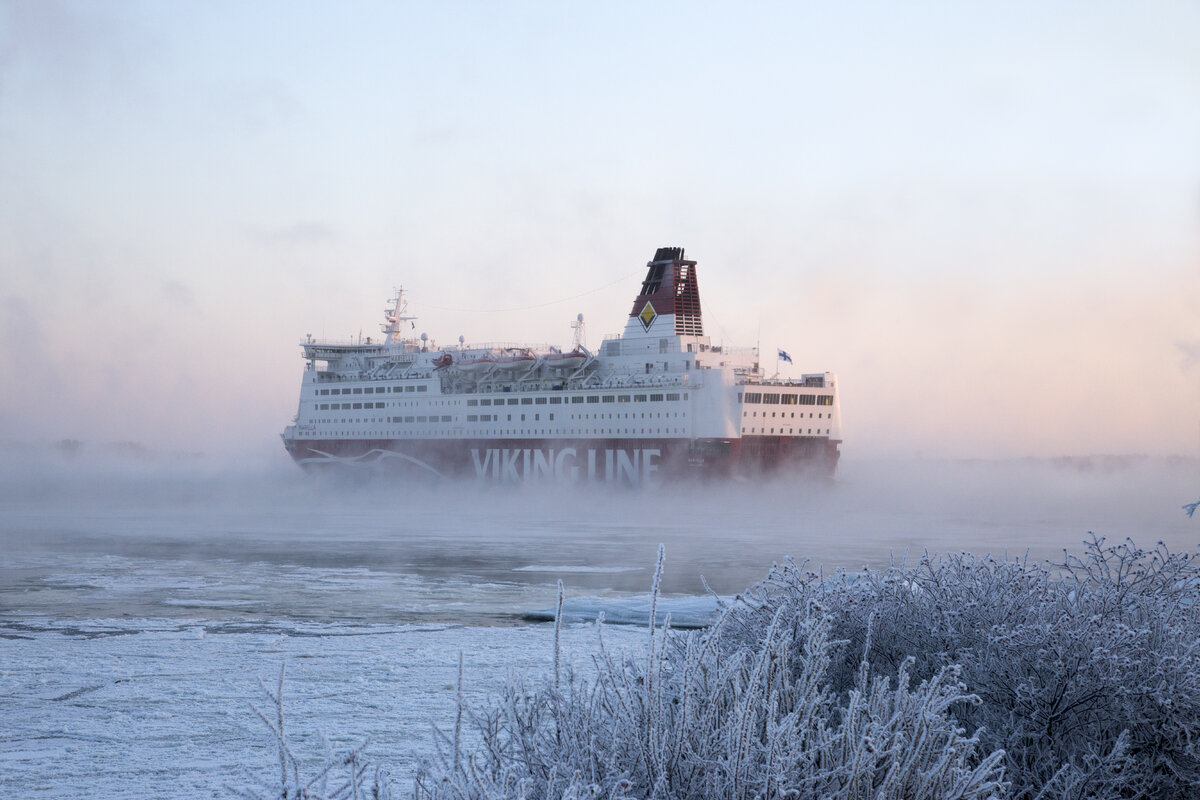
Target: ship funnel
670,288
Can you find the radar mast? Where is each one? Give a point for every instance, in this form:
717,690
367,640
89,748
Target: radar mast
580,333
395,317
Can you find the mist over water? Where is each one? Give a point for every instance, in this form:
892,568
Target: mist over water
99,536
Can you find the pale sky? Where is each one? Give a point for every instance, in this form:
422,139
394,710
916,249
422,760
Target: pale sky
984,217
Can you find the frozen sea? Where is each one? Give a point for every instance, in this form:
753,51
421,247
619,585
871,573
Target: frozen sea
142,600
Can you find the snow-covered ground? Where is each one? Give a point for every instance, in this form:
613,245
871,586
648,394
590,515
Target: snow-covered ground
144,708
139,606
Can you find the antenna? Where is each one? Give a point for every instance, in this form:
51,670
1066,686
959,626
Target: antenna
580,338
758,348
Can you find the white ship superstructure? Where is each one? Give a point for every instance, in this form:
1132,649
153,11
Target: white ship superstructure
658,401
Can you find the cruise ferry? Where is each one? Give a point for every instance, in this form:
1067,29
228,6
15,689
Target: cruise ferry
657,402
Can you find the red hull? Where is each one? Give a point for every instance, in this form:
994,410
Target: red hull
629,461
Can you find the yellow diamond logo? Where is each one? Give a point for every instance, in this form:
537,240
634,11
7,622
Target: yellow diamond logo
647,316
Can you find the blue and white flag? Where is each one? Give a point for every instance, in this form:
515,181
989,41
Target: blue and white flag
783,356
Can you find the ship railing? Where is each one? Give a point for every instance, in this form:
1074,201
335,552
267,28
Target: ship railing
618,380
353,341
503,346
807,381
591,380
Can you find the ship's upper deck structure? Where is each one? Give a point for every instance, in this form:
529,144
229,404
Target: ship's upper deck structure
660,379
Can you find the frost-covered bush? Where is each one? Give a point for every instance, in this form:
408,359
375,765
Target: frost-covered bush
1088,671
698,719
954,677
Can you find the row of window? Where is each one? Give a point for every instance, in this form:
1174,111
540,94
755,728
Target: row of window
789,431
544,431
788,399
488,417
374,404
506,432
375,389
591,398
784,414
512,401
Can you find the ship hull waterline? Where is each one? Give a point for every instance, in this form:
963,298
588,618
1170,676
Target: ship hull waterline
628,461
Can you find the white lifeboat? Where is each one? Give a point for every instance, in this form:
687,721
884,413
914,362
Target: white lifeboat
571,360
514,361
478,363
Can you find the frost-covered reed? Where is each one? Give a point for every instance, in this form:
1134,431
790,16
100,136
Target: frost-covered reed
952,677
343,777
